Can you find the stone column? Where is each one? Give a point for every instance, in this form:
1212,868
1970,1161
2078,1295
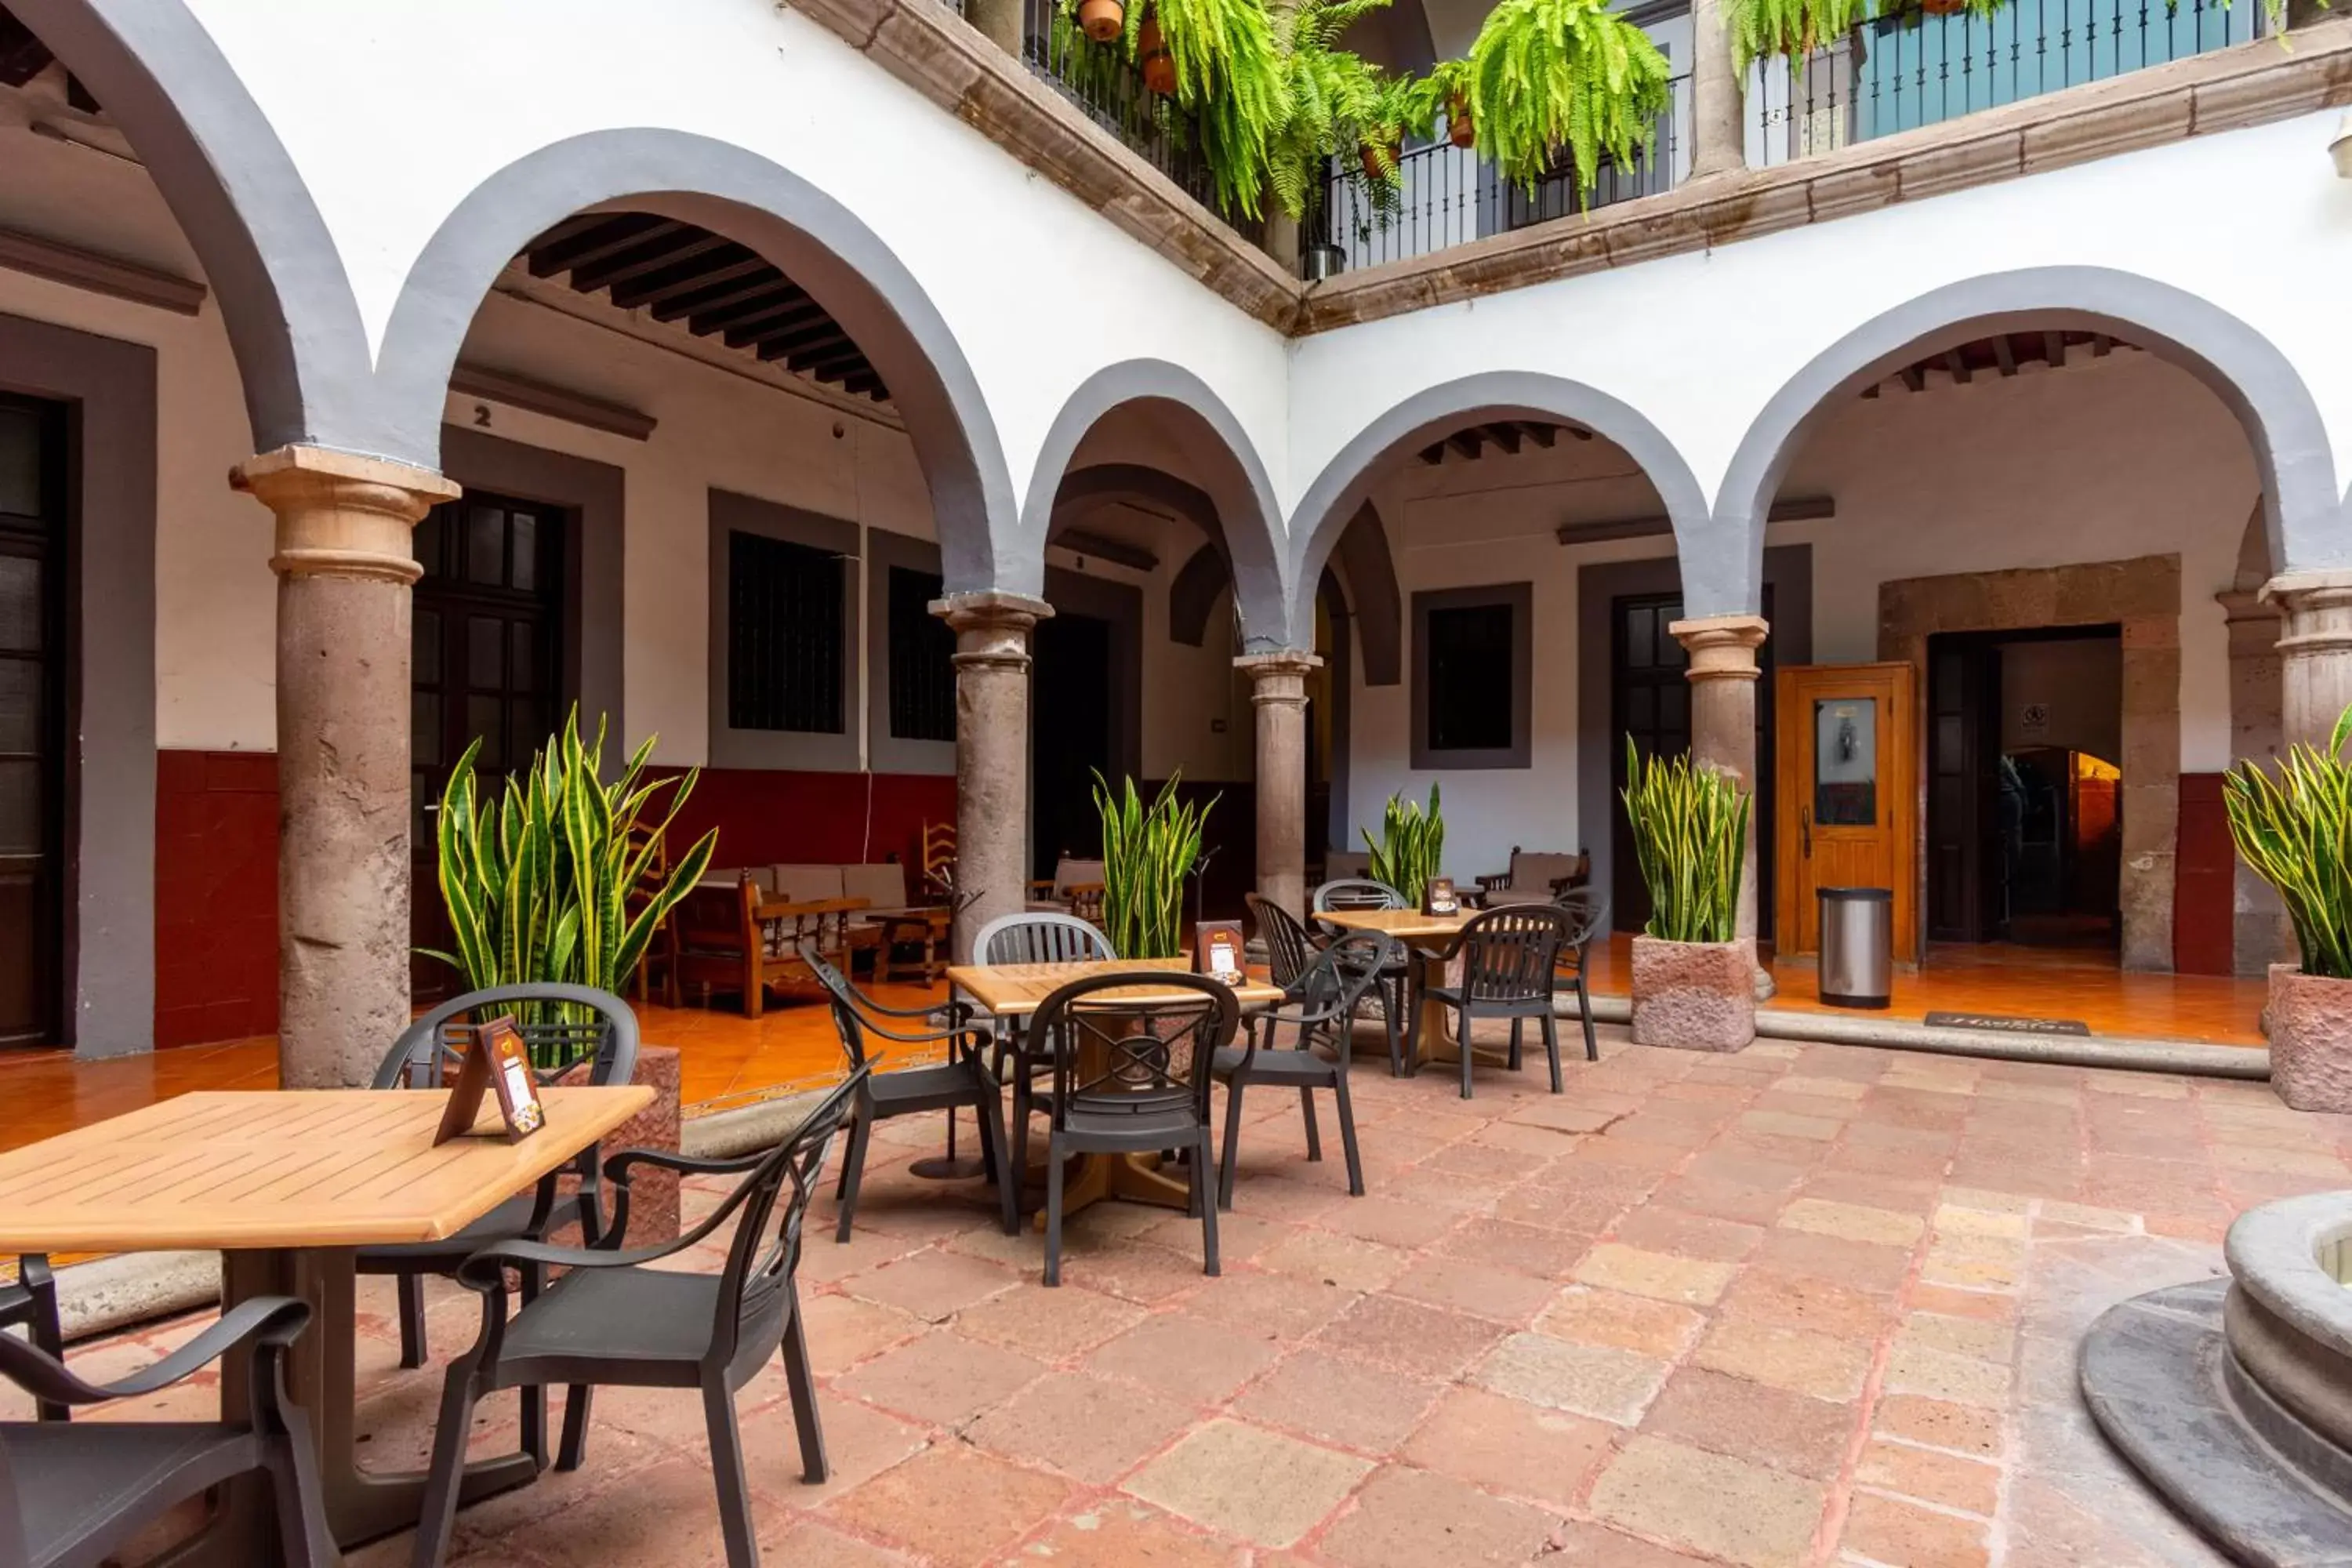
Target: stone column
1723,728
2261,934
992,664
2315,650
344,565
1718,137
1278,691
1000,22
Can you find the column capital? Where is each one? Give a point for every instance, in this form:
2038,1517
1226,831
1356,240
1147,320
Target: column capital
2315,612
2297,590
991,627
1278,675
340,514
1722,647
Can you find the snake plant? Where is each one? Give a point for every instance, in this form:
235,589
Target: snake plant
1147,854
1410,847
538,881
1690,836
2296,833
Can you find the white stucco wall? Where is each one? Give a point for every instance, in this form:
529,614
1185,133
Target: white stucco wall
429,98
2107,459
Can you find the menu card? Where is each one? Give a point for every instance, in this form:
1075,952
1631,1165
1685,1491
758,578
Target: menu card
498,1063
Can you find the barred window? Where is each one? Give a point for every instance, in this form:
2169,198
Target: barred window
785,630
922,649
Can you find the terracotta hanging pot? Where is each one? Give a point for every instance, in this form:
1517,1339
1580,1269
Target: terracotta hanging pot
1459,129
1102,20
1371,157
1942,7
1152,55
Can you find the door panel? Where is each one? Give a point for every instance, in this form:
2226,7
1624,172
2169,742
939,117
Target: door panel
1847,796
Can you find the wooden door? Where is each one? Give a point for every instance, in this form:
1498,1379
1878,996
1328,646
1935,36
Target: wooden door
1967,898
486,661
33,650
1848,795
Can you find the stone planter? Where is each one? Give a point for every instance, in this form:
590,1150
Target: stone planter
2310,1021
1693,995
653,1197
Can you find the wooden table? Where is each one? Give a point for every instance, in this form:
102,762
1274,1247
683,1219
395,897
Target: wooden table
929,927
1424,938
286,1185
1015,991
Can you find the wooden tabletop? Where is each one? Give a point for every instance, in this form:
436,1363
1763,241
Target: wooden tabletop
1015,990
1405,925
290,1168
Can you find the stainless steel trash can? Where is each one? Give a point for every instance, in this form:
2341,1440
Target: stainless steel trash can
1857,946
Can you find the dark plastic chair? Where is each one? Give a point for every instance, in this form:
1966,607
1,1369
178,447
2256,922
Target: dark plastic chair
611,1321
1512,954
1321,1004
963,1081
1363,893
419,1060
1127,1079
74,1494
31,1303
1588,916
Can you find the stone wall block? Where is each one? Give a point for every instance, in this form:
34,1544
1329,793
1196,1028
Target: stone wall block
1931,172
2104,130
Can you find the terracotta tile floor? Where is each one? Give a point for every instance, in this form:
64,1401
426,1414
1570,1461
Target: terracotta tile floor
2027,981
1803,1305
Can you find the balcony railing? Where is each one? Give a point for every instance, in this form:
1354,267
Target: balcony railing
1447,195
1914,69
1110,92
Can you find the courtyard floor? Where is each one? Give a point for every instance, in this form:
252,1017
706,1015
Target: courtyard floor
1807,1304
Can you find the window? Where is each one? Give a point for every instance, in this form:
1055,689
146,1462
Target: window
922,652
785,635
1471,676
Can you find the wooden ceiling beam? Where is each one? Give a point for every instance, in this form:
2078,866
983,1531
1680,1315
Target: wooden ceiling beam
1543,435
692,275
1434,456
865,382
1467,442
713,300
2053,350
830,363
1914,378
23,57
1506,436
769,300
654,255
2004,354
1957,365
776,323
617,232
796,348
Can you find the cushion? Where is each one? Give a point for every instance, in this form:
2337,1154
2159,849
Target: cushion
1069,873
807,884
1338,865
728,877
883,887
1541,869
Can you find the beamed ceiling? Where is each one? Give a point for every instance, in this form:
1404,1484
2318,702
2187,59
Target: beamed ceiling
715,288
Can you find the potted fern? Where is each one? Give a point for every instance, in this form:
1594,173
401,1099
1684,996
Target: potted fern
1410,847
1693,978
1148,851
1217,60
1554,79
2295,832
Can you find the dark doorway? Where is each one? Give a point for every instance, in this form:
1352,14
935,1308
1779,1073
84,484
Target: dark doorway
2024,797
487,662
35,646
1650,700
1069,736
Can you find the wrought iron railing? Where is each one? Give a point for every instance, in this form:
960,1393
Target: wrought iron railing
1447,195
1921,68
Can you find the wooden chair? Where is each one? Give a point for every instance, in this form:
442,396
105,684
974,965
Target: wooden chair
1513,954
660,957
1534,877
939,851
1320,1002
74,1495
611,1321
743,940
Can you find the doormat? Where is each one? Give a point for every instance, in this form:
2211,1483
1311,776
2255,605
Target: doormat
2000,1024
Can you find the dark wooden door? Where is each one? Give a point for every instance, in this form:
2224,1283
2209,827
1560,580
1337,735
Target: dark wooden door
1966,897
1070,738
486,661
33,652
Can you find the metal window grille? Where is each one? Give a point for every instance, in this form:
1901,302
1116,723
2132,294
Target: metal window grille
922,652
785,627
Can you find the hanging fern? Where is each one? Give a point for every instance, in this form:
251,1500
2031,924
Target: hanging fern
1554,75
1797,27
1229,77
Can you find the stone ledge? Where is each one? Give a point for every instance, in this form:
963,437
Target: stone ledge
942,57
2228,90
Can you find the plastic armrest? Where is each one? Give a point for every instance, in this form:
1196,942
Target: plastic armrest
616,1167
277,1318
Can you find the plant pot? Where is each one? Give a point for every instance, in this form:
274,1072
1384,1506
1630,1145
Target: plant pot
1693,995
1942,7
1317,262
1102,20
1371,157
2310,1022
1459,128
1151,57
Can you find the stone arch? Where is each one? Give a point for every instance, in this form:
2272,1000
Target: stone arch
1240,497
818,243
1332,502
2301,506
292,321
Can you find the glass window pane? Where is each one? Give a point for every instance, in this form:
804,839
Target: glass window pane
1639,623
426,541
20,705
20,462
424,648
485,544
1674,712
523,656
1845,761
20,807
485,653
1672,655
1640,708
424,727
1470,678
482,716
527,728
525,574
20,603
